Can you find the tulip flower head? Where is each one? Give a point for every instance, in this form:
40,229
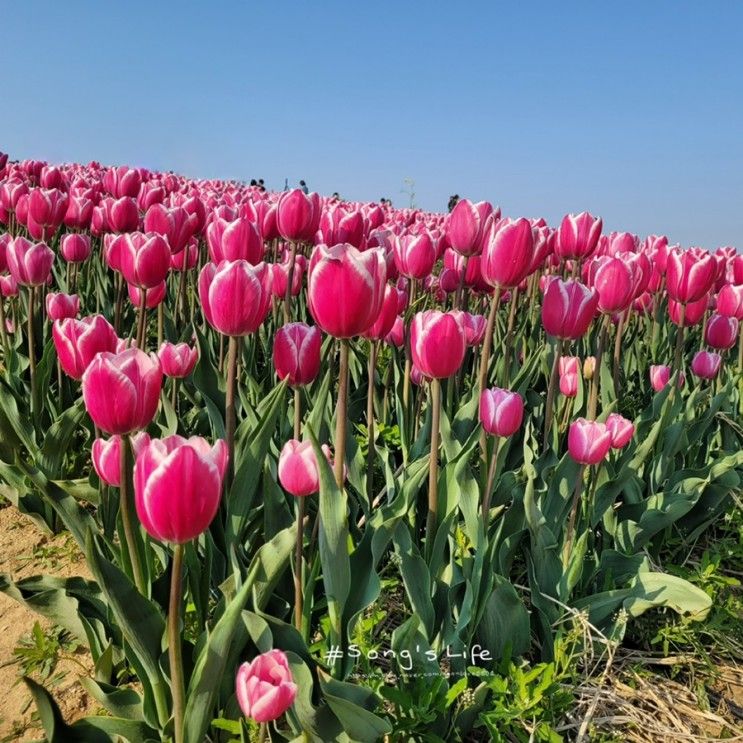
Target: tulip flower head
177,359
77,342
568,308
501,411
438,343
660,375
621,429
264,687
296,353
178,485
588,441
706,365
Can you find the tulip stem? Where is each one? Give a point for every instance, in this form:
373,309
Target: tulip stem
569,534
4,334
262,731
230,418
740,350
177,685
298,565
174,395
31,346
596,379
341,410
679,339
370,420
433,466
408,358
160,324
125,506
509,337
182,291
141,329
289,279
297,413
549,404
617,352
492,471
487,344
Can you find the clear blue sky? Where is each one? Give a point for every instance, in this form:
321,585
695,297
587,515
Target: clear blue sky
631,110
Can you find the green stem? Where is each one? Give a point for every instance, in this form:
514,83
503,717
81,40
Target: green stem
341,411
125,505
551,388
298,565
289,279
31,346
174,643
230,416
679,340
509,337
142,327
596,379
570,533
433,466
370,420
492,471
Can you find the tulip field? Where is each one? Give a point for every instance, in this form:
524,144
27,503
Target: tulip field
341,471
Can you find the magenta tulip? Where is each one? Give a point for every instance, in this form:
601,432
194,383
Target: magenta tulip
507,253
414,255
346,288
30,264
588,441
689,275
660,375
501,411
613,279
387,315
155,295
569,384
175,225
621,430
264,687
568,308
178,485
438,343
466,226
121,391
60,306
474,327
730,301
75,247
121,214
177,359
122,181
578,235
79,341
235,296
396,336
144,259
298,472
106,455
706,364
693,311
298,215
236,240
296,353
722,332
569,365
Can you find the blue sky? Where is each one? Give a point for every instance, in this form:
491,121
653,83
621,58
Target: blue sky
631,110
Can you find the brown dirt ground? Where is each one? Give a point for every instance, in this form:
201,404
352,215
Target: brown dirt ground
26,551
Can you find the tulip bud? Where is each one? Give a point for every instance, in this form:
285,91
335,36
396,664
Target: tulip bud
588,441
396,336
298,215
507,253
660,376
60,306
613,280
178,485
730,301
296,353
706,364
589,367
346,288
298,472
689,275
414,255
474,327
75,247
437,343
569,365
235,296
8,286
501,411
177,360
722,332
144,259
121,391
236,240
466,226
106,455
386,319
264,687
578,235
29,263
621,430
569,384
568,308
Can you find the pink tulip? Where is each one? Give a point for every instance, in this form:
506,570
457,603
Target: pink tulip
689,275
568,308
177,359
121,391
569,365
414,255
693,311
75,247
173,224
578,235
11,191
298,215
187,258
722,332
706,364
386,318
298,472
178,485
46,208
106,455
264,687
60,306
346,288
588,441
296,353
337,225
660,376
501,411
122,214
8,286
235,296
474,327
396,336
29,263
280,277
621,430
612,278
155,295
730,301
239,239
569,384
79,212
507,253
144,258
438,343
122,181
466,226
79,341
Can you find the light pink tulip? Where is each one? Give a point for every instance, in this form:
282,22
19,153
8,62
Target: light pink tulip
264,687
177,359
588,441
501,411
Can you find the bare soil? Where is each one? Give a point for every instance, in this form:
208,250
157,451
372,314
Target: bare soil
26,551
